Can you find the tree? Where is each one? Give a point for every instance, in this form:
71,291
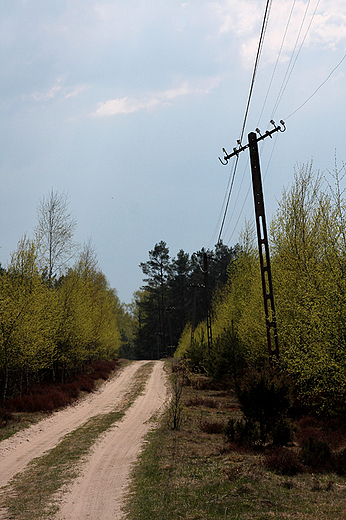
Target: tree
54,234
309,274
179,296
157,270
25,318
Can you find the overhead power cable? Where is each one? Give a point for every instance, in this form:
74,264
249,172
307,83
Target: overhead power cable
258,55
277,62
290,68
318,88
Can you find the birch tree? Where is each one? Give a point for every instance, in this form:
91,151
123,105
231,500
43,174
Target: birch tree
54,234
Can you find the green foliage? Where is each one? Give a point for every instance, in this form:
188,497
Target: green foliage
308,251
54,328
227,357
309,277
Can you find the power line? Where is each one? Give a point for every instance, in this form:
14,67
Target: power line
277,61
285,81
248,191
221,212
290,70
228,198
258,54
318,88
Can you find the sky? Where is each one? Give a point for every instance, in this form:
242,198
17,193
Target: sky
125,106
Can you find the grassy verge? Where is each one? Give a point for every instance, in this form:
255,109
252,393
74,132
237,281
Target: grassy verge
32,494
195,474
20,421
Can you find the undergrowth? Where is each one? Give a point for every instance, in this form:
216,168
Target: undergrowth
22,411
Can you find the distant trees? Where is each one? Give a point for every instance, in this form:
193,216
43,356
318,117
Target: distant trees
174,295
54,317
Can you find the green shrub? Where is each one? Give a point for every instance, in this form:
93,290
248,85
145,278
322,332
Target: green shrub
227,358
242,432
264,398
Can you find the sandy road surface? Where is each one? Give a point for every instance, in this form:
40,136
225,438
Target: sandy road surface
97,494
19,450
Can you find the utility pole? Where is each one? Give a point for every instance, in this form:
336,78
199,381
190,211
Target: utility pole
206,282
263,248
194,286
262,238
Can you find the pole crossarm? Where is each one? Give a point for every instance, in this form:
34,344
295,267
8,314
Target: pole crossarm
268,133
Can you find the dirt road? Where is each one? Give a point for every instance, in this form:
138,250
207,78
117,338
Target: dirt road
97,494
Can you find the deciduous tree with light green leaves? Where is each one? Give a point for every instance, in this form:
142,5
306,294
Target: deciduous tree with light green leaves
308,253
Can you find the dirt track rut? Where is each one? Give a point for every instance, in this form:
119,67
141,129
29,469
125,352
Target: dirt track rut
98,493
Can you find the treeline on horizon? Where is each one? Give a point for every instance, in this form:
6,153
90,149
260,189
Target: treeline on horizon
177,291
57,311
308,258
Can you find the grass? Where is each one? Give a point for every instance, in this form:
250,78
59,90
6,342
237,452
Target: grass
19,421
196,474
34,493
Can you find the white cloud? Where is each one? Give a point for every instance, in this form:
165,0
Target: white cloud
58,89
323,24
123,105
239,17
75,91
50,94
127,105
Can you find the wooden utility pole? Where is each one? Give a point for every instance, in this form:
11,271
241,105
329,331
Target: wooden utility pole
262,238
263,248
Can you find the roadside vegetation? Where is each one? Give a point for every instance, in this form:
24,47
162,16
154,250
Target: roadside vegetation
308,252
216,464
59,319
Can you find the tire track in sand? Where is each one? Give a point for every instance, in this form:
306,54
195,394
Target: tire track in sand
98,493
17,451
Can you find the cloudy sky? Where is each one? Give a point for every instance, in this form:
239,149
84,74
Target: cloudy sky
126,105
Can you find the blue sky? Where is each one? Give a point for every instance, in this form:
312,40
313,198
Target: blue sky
125,105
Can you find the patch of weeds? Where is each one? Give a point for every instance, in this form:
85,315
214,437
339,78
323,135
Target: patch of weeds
288,484
175,408
197,400
283,461
211,426
19,421
190,475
